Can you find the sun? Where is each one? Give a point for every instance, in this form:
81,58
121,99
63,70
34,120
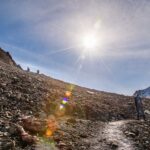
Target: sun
90,41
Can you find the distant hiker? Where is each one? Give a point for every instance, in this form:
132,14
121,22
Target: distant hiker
38,71
139,107
28,69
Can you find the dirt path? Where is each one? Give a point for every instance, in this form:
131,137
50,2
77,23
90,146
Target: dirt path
114,135
111,137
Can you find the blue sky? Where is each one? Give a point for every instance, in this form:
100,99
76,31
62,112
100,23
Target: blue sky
46,35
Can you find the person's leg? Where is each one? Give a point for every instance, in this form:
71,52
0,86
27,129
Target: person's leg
143,115
137,111
142,112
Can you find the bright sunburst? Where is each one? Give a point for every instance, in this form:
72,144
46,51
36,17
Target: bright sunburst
90,41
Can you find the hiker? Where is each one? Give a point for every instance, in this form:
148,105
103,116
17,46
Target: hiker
28,69
38,71
139,106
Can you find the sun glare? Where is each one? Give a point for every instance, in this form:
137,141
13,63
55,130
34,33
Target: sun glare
90,41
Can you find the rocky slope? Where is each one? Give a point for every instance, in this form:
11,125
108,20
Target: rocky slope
6,58
139,132
38,112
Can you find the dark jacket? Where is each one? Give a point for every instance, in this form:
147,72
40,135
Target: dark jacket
139,106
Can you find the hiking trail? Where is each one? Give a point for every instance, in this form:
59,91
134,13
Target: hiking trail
114,135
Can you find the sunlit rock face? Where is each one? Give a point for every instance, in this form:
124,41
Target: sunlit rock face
143,93
6,58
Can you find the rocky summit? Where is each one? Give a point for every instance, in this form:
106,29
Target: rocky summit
7,58
38,112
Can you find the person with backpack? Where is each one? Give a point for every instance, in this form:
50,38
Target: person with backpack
139,106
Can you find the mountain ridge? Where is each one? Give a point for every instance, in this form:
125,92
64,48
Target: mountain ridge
7,58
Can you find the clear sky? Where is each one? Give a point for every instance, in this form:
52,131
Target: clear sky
48,35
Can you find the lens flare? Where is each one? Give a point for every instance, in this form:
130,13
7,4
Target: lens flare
61,107
68,93
71,87
45,143
48,133
65,101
